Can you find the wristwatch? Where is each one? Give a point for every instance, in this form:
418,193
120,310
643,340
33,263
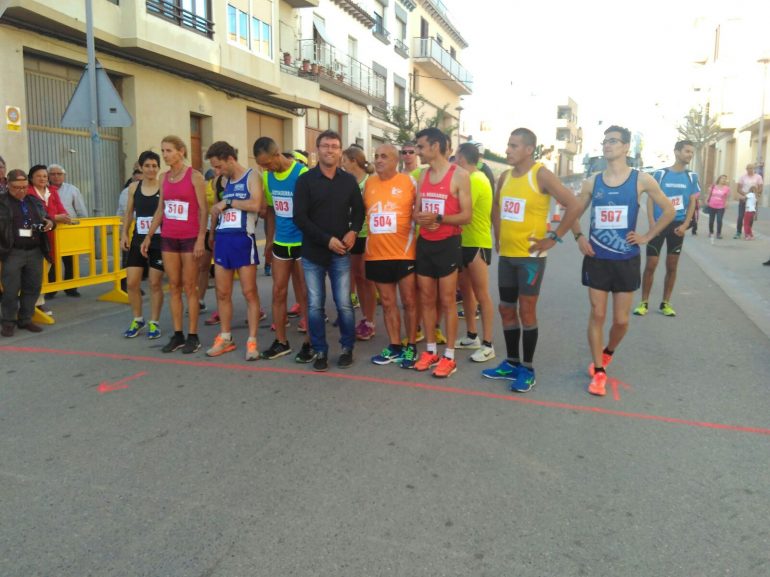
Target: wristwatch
439,218
229,203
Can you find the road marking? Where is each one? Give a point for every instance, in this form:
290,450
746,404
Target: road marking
616,385
423,386
105,387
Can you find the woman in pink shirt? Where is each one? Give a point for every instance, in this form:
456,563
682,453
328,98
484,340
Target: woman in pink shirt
717,201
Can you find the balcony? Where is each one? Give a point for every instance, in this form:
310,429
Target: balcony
302,3
430,54
338,73
181,17
401,47
379,31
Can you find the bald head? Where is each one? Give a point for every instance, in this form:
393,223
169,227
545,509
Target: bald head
386,161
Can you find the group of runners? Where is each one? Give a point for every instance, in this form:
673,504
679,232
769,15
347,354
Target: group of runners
426,230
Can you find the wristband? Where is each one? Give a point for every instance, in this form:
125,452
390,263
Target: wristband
553,236
578,235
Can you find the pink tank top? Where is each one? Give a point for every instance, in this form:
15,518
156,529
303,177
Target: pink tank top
438,198
180,208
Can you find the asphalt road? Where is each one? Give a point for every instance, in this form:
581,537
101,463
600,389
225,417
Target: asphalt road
194,467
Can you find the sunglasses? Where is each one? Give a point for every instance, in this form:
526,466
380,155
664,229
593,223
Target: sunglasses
407,152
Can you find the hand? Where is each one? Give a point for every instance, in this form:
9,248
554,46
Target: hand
65,218
349,239
540,245
124,244
585,246
337,246
426,219
48,225
145,247
497,245
198,248
634,237
216,210
680,230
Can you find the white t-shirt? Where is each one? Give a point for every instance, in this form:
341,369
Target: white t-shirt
751,202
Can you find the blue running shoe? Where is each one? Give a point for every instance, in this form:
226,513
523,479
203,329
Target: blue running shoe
408,357
505,371
525,381
153,330
133,329
387,356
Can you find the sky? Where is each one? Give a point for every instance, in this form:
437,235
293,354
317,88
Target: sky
624,63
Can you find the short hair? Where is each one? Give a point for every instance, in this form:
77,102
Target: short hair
527,136
356,154
177,143
264,145
221,150
625,133
136,171
433,135
682,143
329,135
15,175
59,166
148,155
409,144
37,168
469,152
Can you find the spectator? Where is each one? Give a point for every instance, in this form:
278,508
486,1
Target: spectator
3,179
72,200
749,182
121,212
23,222
716,201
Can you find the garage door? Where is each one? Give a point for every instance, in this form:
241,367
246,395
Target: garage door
259,124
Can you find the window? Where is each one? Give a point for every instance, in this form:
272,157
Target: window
249,31
400,28
379,17
192,14
399,96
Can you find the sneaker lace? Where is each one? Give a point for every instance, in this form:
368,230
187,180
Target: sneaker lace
409,354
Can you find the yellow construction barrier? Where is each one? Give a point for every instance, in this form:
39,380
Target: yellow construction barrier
80,239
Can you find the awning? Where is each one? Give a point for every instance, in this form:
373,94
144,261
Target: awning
320,27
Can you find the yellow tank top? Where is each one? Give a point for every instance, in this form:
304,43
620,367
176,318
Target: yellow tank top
523,213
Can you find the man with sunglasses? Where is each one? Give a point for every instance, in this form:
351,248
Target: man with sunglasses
410,162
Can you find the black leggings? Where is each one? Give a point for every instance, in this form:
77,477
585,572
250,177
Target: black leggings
717,213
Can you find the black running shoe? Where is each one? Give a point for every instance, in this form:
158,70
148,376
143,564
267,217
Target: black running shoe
174,344
277,349
305,355
191,345
346,359
321,363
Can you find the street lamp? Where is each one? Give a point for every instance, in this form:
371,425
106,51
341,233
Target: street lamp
459,110
760,151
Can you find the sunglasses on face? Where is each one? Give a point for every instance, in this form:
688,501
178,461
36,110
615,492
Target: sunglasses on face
407,152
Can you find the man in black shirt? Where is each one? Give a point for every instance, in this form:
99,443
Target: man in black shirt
23,244
329,211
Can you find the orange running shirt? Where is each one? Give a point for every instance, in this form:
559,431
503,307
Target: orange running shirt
389,206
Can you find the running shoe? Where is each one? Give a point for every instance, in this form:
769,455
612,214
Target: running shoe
220,347
446,368
641,310
606,361
387,356
277,349
305,354
426,361
294,311
666,310
440,338
175,343
364,330
268,270
202,307
302,326
212,320
408,357
252,354
153,330
483,355
468,343
420,337
191,345
505,371
525,380
263,315
346,359
354,300
133,329
598,385
321,363
737,235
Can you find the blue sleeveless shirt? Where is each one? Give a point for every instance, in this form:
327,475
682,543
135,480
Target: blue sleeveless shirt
233,220
280,195
614,210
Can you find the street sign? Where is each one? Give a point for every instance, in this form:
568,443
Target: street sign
111,112
13,118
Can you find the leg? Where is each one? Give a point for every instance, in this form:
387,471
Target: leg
339,276
739,224
427,290
134,289
469,300
281,272
712,216
364,288
11,276
224,287
621,310
720,216
156,293
649,276
315,279
204,268
172,264
190,282
300,291
248,278
479,278
407,288
447,287
31,284
390,312
598,300
529,333
672,262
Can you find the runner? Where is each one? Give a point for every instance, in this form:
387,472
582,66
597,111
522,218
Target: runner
410,162
443,204
477,256
520,219
234,219
390,252
182,212
280,176
143,197
611,262
682,188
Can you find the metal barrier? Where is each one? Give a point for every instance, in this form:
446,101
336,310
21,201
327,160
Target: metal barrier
91,237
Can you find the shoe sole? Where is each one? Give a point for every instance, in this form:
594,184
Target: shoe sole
498,377
174,349
251,358
304,361
597,393
275,356
467,347
445,376
219,353
385,362
422,370
211,323
519,390
321,370
153,337
136,334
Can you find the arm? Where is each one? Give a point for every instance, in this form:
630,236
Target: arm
124,242
496,210
550,184
356,218
650,186
199,183
59,212
583,200
80,205
682,228
461,185
157,218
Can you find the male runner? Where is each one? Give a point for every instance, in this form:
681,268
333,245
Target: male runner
681,187
390,252
410,162
520,220
443,204
611,262
280,176
234,219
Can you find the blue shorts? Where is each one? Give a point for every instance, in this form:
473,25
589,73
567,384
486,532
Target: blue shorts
233,251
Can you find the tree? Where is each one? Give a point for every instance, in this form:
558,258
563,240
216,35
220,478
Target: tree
409,122
399,117
703,131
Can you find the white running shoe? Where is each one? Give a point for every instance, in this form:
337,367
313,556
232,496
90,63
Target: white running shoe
483,355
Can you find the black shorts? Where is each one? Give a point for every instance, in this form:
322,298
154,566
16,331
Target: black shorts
470,252
519,276
388,271
360,245
438,258
135,259
673,242
283,252
612,276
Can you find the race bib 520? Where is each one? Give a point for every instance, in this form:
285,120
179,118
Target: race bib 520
513,209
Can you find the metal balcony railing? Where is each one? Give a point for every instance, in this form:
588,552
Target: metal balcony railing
401,47
430,48
172,11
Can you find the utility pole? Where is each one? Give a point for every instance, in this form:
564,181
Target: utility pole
93,112
760,150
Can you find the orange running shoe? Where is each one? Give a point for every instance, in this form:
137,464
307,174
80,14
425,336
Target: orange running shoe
598,385
252,354
426,361
220,347
606,360
446,368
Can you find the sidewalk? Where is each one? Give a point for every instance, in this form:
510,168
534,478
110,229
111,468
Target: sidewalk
736,265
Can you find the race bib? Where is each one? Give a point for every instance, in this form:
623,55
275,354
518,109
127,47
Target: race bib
283,206
606,217
229,219
143,225
382,222
434,205
176,209
678,202
513,209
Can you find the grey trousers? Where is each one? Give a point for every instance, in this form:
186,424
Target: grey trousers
22,278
